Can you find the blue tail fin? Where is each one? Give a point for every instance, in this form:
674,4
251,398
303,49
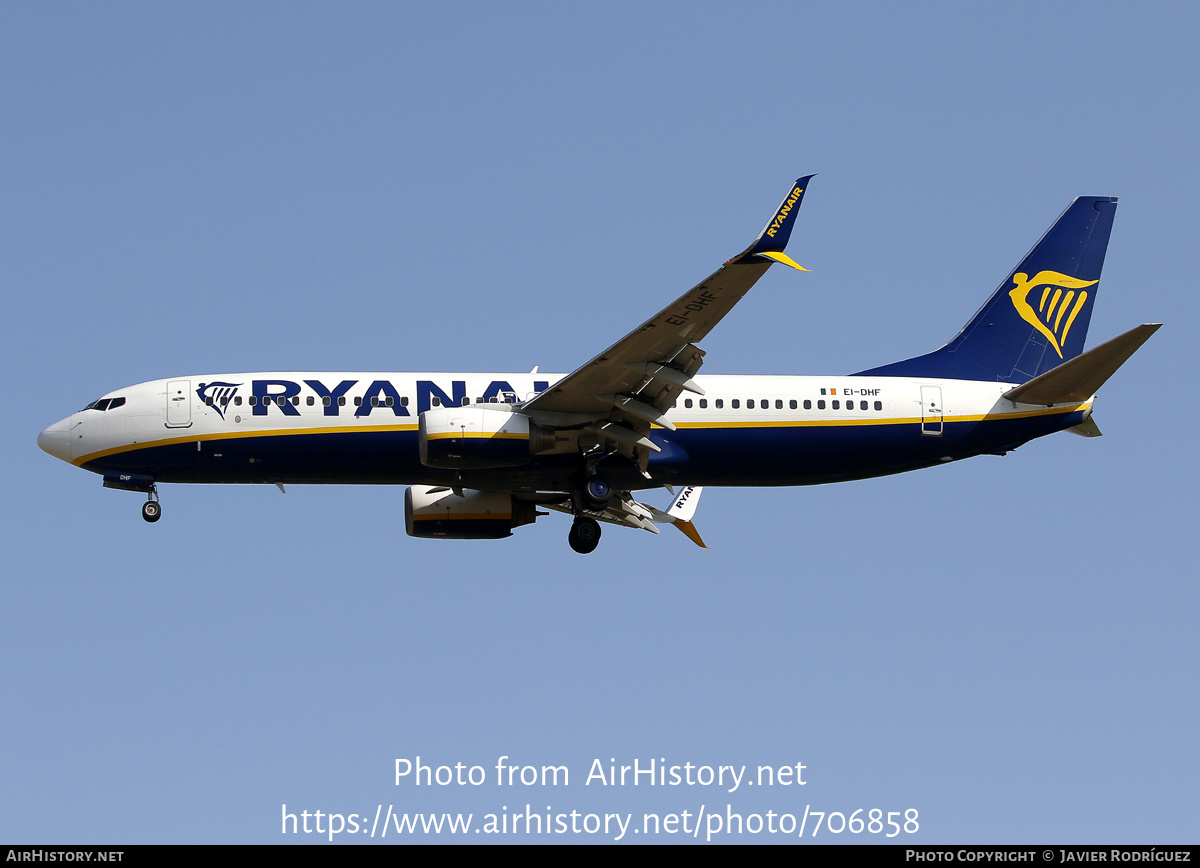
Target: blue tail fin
1038,318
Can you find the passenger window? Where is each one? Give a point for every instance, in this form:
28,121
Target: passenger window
879,405
208,401
404,401
807,404
837,405
327,401
734,403
862,405
310,400
295,400
358,401
792,404
437,402
237,402
342,401
252,400
720,403
390,401
687,403
779,404
281,400
820,405
374,400
750,404
703,403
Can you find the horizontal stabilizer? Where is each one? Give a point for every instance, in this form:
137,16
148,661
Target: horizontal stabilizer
1080,378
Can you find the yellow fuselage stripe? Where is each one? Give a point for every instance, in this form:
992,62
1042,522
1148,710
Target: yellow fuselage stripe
476,435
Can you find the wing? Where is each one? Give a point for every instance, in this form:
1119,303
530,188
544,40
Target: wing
632,384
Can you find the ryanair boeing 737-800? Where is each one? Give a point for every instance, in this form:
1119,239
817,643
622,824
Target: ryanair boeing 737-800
482,452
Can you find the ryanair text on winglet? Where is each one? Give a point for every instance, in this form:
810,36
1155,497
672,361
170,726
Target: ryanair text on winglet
791,200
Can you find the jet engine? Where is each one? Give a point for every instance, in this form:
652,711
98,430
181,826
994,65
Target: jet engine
439,513
479,436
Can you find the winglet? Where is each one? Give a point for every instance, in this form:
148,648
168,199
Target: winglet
689,530
771,242
782,257
683,507
681,512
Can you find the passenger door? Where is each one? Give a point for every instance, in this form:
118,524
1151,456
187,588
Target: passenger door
179,404
931,411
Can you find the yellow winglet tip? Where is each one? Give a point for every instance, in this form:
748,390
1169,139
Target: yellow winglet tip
689,530
783,258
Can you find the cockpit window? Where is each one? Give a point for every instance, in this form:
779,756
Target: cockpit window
103,404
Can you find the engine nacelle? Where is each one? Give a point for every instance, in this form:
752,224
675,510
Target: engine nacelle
478,436
437,513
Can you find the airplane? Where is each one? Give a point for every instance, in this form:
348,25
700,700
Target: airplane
484,454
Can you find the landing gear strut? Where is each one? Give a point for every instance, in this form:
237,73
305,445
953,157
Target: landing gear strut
584,535
152,509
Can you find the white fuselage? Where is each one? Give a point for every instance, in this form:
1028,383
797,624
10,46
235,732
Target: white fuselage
743,430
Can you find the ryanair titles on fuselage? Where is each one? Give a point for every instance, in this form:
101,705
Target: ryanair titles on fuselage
267,393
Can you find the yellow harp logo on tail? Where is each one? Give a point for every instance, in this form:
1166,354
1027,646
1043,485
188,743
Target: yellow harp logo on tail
1056,308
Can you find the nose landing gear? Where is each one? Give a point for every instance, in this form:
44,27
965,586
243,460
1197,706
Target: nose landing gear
152,509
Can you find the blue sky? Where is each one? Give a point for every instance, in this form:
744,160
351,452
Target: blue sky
1007,645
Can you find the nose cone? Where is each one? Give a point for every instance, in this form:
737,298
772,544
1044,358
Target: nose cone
56,440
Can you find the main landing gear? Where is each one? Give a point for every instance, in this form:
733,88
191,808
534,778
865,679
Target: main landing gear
597,492
152,509
594,496
584,535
